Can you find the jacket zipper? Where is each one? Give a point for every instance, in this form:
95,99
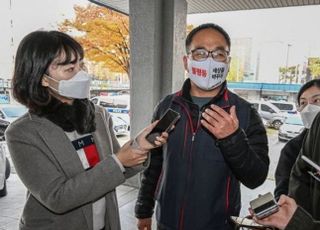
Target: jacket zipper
194,131
198,125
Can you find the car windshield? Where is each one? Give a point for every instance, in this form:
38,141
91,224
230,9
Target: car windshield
283,106
294,121
14,111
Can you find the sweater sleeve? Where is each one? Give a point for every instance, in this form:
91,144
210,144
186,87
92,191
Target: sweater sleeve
301,219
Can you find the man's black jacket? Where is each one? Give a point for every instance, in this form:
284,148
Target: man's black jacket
195,178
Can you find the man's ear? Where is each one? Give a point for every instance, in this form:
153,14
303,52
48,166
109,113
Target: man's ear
185,63
44,81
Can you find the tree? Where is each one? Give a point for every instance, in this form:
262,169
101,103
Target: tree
289,75
104,35
236,71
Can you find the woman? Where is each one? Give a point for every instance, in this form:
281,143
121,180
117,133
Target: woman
64,149
308,104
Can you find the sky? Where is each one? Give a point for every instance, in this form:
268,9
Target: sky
27,16
291,24
273,31
275,28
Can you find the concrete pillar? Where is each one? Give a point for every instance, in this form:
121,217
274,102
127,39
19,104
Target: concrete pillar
174,15
157,35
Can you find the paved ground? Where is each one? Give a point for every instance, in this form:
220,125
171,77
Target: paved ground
11,206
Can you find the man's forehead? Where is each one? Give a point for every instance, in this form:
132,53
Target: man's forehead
208,38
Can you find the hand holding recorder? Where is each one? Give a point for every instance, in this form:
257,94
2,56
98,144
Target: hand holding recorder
156,134
280,219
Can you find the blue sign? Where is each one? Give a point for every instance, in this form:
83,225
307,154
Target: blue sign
117,110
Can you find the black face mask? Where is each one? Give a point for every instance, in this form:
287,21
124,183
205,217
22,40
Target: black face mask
76,117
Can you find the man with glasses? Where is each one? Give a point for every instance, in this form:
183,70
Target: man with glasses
218,143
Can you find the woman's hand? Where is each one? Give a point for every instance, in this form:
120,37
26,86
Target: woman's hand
129,156
143,144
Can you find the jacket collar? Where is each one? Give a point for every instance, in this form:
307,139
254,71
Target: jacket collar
221,99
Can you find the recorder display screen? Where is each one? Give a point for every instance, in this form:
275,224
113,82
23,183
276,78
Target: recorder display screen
265,207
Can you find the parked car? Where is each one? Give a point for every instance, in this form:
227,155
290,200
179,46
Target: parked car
120,127
8,113
117,105
4,171
284,106
291,128
273,116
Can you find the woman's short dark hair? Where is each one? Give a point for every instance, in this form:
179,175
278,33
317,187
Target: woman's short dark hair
203,27
35,53
309,84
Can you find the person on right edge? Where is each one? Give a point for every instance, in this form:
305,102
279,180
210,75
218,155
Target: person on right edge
218,143
304,185
308,104
300,210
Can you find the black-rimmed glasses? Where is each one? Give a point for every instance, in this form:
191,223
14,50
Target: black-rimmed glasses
217,55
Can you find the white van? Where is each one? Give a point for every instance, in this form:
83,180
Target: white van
117,105
284,106
269,112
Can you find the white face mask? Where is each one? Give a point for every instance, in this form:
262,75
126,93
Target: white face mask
77,87
208,74
308,114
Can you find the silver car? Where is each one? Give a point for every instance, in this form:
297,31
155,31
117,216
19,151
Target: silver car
291,128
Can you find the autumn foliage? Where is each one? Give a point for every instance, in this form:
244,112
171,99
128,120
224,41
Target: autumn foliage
104,35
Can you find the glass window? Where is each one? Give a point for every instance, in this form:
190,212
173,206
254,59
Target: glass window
266,108
106,104
294,120
283,106
14,111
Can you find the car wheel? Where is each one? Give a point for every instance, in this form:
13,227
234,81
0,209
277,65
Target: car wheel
276,124
8,169
4,192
